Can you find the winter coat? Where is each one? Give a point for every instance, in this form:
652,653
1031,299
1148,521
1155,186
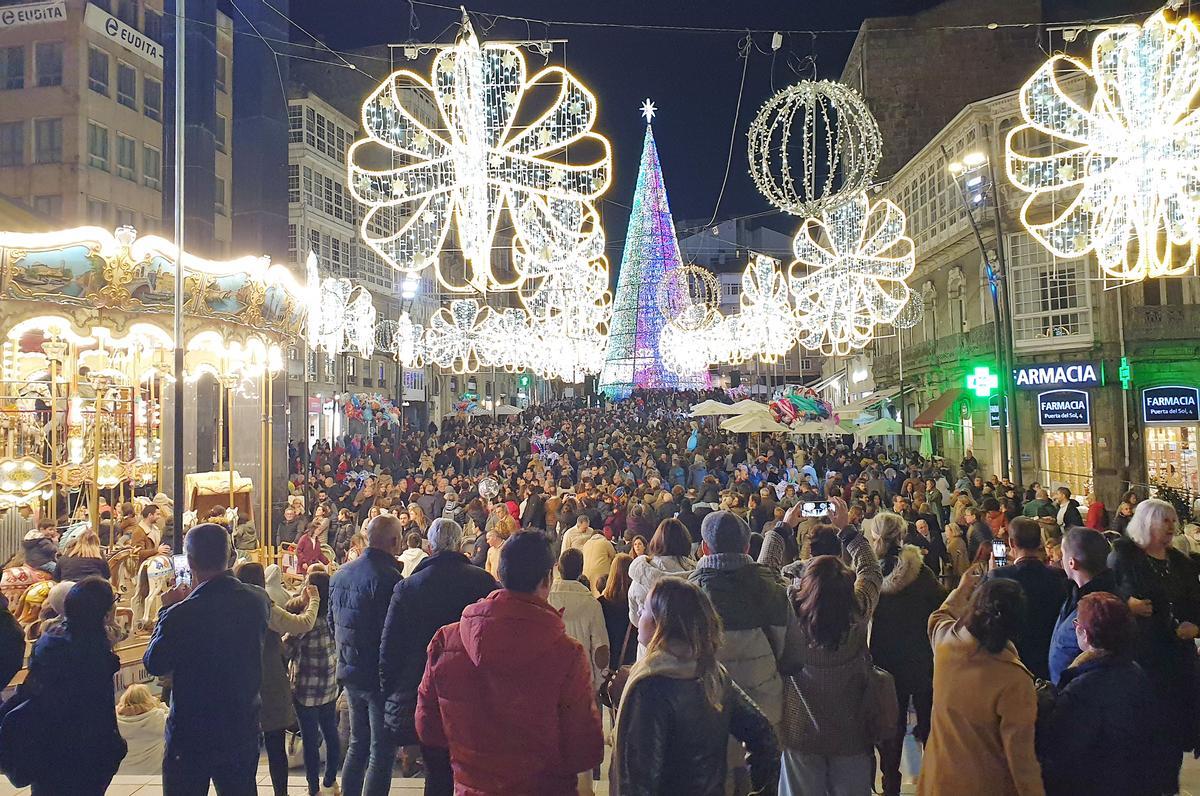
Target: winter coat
1045,588
143,735
1168,662
984,709
76,568
753,605
344,530
359,593
671,740
900,632
598,555
308,552
274,588
278,712
824,711
1064,646
211,645
778,550
583,618
38,550
434,595
509,693
1096,740
12,645
645,571
1068,514
453,510
72,677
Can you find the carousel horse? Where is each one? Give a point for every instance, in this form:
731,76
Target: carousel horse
16,580
155,576
120,571
28,607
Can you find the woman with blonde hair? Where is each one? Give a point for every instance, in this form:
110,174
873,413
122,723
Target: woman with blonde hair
142,720
417,515
83,558
680,707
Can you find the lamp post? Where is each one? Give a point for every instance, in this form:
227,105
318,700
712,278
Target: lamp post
973,176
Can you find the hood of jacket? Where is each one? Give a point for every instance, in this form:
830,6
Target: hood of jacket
906,570
508,630
640,569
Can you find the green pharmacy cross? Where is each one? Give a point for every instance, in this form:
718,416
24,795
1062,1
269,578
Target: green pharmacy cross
982,382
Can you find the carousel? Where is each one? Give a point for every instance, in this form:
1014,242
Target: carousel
86,377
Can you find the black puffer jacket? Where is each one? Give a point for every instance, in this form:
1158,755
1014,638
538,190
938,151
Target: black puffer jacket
432,597
673,741
900,633
359,594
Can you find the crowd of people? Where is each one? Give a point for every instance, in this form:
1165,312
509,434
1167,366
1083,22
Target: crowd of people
506,607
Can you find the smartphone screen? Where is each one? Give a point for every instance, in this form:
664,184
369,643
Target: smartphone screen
183,573
999,552
815,509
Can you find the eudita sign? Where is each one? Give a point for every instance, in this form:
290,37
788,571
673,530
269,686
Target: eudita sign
33,14
127,36
1058,374
1058,408
1173,404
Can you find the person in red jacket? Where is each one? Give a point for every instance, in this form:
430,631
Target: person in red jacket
308,549
508,692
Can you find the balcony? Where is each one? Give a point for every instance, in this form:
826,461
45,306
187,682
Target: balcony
978,342
1169,322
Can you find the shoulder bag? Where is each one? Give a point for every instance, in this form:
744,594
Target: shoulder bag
614,679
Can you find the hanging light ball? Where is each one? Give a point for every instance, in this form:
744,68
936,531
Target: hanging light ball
688,296
838,150
911,313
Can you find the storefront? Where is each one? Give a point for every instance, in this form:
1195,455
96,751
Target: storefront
1170,416
1063,407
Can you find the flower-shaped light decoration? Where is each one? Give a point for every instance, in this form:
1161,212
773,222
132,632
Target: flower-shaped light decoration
360,324
503,339
852,279
767,323
407,341
1122,177
454,333
463,146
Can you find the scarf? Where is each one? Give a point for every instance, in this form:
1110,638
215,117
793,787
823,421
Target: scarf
660,663
724,561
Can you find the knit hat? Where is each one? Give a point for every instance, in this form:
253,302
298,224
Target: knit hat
725,532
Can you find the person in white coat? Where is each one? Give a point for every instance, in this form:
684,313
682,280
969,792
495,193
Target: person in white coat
667,555
584,620
142,721
413,554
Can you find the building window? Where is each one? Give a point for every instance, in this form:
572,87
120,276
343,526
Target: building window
97,146
98,70
219,133
293,183
152,225
295,124
219,195
97,211
151,167
126,157
310,127
126,85
125,217
12,67
292,242
47,140
48,62
12,144
956,285
312,366
127,12
351,367
153,26
1157,292
152,98
1050,296
380,374
222,72
48,206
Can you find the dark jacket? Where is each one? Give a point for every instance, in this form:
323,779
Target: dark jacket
38,551
1096,739
1045,589
1071,517
359,593
211,644
977,534
12,645
900,636
431,598
1168,662
1064,647
673,741
76,568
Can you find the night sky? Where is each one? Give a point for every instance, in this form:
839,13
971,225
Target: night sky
692,77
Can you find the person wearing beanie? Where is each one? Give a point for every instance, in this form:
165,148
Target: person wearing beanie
752,601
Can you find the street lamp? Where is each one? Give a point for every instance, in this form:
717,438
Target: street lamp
975,178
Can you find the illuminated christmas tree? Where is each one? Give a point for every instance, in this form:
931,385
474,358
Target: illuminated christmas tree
651,256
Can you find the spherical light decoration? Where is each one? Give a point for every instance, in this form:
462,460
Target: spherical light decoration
687,295
911,313
838,151
1122,175
486,150
849,274
489,488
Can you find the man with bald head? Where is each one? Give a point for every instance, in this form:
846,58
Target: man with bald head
359,593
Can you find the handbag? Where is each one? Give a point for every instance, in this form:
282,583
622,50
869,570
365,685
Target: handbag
881,709
25,736
615,679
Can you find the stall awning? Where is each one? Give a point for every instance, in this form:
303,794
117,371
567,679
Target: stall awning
937,409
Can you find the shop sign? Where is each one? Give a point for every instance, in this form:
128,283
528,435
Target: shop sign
33,14
1064,408
314,405
126,36
1171,404
1058,374
994,411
